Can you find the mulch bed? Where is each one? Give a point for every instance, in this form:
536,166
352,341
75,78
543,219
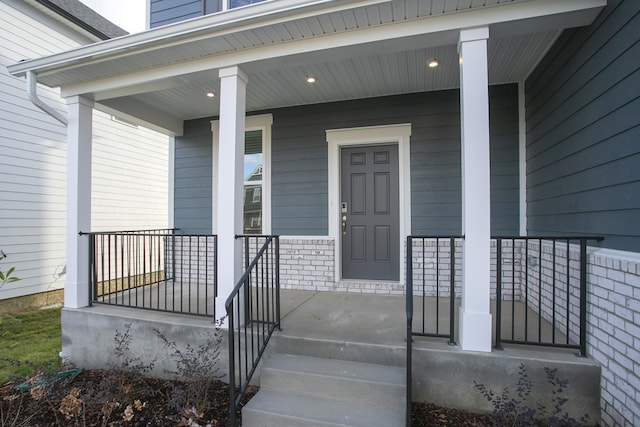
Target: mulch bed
114,398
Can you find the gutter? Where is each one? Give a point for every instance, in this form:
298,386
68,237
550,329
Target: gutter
32,92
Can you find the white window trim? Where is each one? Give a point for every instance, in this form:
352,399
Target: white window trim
261,122
399,134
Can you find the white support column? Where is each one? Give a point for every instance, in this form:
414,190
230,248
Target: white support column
79,129
475,316
233,84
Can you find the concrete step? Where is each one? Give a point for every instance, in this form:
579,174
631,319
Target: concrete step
334,379
300,390
274,409
385,354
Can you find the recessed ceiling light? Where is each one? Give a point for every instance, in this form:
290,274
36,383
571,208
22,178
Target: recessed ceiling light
311,79
433,63
210,94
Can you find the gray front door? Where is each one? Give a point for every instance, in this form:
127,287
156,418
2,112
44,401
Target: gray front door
369,217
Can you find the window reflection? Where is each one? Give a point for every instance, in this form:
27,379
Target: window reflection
253,164
238,3
213,6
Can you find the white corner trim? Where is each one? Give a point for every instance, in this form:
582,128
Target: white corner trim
522,157
399,134
171,184
215,155
258,122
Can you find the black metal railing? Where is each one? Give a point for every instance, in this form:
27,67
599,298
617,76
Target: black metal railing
541,288
431,263
431,276
253,313
154,270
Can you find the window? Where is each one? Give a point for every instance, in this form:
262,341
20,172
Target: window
253,165
256,214
237,3
213,6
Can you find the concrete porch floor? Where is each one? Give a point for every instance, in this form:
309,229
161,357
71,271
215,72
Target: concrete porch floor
361,327
381,319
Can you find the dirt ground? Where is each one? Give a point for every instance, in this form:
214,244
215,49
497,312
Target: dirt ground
109,398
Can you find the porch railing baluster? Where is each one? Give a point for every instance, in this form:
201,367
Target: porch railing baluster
498,343
555,306
140,269
439,288
548,312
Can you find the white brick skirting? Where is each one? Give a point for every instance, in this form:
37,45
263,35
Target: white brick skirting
613,328
307,263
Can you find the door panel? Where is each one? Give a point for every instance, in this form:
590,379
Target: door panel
381,193
359,194
358,243
370,237
382,243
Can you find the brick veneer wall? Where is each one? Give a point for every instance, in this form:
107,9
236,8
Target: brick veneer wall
194,259
613,327
307,263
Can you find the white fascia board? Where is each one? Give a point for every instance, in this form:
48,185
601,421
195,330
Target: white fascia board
231,21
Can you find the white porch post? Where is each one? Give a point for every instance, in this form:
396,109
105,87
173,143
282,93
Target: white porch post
79,129
233,84
475,316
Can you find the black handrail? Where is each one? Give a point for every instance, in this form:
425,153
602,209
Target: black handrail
554,308
409,312
253,313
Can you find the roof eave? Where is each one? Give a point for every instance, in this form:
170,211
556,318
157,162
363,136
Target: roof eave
256,15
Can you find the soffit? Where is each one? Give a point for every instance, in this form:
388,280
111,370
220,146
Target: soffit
405,71
356,49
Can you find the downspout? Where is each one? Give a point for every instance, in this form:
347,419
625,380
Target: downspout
32,91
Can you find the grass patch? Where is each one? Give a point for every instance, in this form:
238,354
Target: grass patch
29,341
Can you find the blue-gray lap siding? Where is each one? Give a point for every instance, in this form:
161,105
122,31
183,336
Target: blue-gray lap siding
163,12
299,160
583,132
192,178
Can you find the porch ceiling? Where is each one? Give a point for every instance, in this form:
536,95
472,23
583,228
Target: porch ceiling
354,48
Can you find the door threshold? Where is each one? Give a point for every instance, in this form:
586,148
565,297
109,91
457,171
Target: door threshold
343,281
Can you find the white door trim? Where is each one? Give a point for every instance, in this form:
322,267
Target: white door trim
399,134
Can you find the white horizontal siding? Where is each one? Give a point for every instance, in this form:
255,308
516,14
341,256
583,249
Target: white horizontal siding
130,165
129,177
